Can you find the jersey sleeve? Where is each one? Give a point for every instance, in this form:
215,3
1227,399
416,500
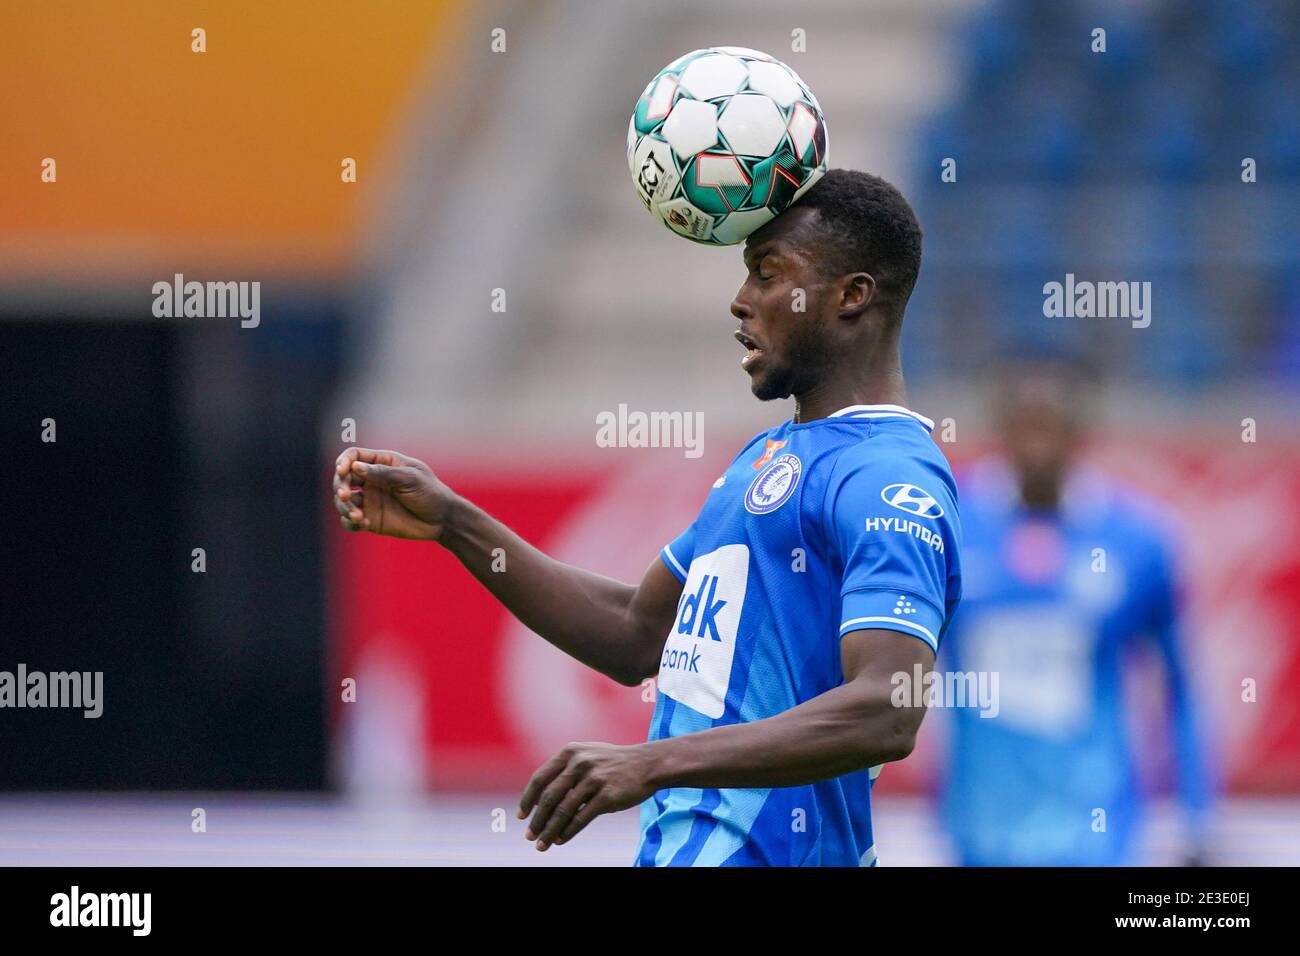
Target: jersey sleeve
893,524
679,552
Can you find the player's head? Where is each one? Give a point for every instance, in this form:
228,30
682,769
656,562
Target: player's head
1040,407
828,282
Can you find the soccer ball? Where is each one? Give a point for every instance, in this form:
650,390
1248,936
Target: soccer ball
723,140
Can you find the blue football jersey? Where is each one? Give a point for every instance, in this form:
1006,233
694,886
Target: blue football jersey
815,530
1054,603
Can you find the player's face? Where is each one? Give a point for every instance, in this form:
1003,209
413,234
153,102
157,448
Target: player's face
785,335
1040,439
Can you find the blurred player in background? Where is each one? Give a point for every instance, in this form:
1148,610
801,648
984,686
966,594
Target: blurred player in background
1066,573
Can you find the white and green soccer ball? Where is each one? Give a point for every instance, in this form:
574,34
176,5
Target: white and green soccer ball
724,140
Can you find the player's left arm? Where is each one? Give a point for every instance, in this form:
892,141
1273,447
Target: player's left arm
861,723
1195,774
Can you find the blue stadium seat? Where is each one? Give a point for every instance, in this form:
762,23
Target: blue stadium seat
1123,166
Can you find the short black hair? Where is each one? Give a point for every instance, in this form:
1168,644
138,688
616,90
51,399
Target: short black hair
865,225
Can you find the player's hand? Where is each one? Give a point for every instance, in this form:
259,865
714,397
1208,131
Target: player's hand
580,783
389,493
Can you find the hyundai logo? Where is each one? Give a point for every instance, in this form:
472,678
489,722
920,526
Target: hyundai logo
911,499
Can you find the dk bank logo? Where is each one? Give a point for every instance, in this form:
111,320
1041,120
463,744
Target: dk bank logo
695,669
911,499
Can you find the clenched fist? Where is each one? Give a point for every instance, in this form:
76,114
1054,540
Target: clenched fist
388,493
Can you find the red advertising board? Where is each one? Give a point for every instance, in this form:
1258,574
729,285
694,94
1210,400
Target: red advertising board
478,701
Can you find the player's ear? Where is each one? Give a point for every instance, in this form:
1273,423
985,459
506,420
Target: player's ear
857,292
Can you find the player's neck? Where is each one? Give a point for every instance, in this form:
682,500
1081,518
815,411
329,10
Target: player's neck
1042,495
883,386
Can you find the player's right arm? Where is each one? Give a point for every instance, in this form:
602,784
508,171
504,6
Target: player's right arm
615,628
